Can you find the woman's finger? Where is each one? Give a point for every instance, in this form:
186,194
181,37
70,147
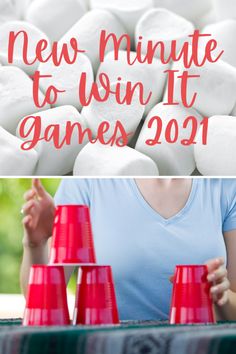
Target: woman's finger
27,207
217,274
223,300
37,185
220,288
213,264
29,194
27,222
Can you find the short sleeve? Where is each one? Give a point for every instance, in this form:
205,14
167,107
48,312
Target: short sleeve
74,191
229,195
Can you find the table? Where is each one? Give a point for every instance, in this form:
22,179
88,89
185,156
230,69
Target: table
148,337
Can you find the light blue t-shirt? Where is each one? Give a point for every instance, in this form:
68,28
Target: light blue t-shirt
141,246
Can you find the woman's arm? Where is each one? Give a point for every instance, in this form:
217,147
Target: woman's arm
38,220
226,307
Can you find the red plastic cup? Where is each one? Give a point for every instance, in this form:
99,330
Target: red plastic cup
46,303
191,300
72,240
95,298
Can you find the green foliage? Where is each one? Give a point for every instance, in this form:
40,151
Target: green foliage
11,201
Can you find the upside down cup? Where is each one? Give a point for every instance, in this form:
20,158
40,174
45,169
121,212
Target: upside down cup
72,239
191,300
46,303
95,297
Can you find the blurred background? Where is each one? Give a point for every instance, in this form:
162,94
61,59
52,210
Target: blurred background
11,200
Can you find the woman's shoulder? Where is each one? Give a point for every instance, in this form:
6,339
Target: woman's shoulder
224,185
221,190
83,189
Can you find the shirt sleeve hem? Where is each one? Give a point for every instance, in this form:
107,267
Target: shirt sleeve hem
230,226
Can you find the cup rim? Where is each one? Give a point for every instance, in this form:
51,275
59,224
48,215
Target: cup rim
96,266
82,206
44,266
191,265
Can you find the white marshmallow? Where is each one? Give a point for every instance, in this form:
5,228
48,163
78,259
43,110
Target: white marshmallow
7,11
67,77
128,12
225,9
54,17
215,87
54,161
205,20
163,25
88,31
13,160
16,97
218,157
100,160
224,33
34,35
129,115
186,8
21,7
171,159
150,75
84,3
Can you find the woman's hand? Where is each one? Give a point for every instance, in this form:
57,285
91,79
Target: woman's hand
218,276
38,213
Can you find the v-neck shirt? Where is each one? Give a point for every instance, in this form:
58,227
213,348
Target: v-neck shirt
142,247
155,213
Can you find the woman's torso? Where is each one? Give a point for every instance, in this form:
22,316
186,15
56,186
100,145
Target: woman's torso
141,246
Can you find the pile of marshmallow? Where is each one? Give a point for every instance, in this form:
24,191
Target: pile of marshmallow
60,20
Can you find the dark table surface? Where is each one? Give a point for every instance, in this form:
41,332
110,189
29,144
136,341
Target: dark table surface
148,337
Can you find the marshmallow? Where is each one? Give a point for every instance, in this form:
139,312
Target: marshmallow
215,87
34,35
54,17
163,25
128,12
21,7
67,77
186,8
110,111
218,157
53,161
150,75
88,31
16,97
205,20
171,159
13,160
85,4
225,9
224,33
7,11
101,160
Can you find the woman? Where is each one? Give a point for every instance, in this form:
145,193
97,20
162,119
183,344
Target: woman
143,228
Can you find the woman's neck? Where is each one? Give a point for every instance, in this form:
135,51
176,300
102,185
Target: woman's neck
166,196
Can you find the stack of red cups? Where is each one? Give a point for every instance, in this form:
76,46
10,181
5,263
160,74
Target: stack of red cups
72,245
